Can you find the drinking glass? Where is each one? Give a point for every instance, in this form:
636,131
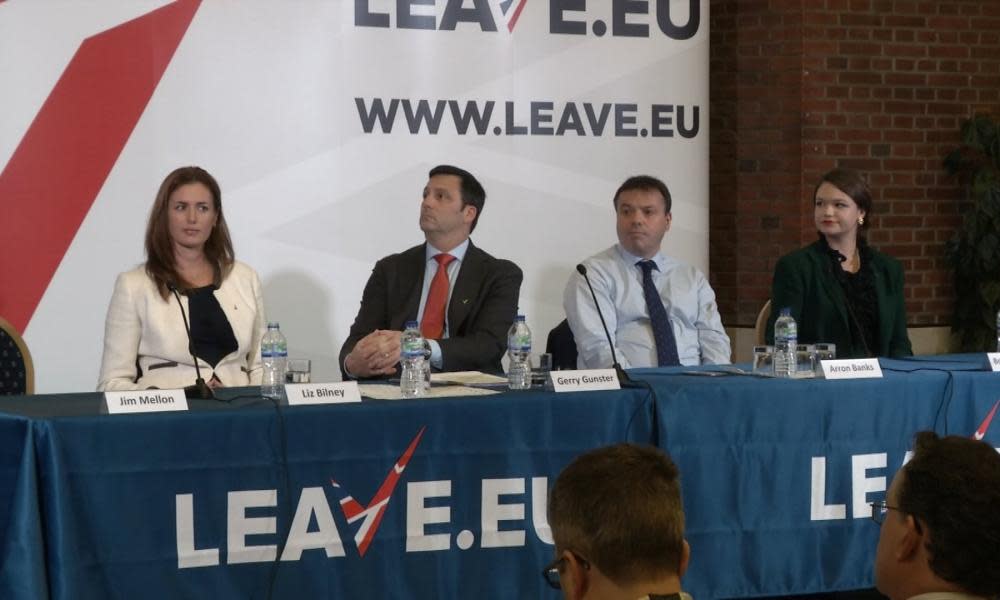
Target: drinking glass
299,370
824,351
763,360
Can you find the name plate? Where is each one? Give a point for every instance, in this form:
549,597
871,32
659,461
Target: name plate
143,401
851,368
994,358
585,380
322,393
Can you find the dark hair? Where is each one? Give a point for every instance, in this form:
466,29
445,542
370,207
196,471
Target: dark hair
854,185
472,191
160,263
620,508
645,182
952,485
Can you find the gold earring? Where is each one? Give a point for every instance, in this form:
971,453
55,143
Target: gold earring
861,220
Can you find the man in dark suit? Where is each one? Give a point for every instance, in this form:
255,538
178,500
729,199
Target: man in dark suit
464,299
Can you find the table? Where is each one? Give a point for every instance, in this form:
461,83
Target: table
777,474
247,500
198,504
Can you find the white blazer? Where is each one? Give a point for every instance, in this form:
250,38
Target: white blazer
143,327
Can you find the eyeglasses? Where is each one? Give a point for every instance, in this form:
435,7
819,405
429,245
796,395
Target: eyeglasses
880,508
551,572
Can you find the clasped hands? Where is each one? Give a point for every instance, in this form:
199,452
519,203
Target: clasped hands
375,354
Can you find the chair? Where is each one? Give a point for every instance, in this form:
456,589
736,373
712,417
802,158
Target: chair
760,327
17,374
562,346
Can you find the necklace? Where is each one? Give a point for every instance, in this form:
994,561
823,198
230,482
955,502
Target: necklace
855,262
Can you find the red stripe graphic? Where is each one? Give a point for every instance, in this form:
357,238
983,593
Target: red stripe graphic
65,157
372,514
517,13
985,425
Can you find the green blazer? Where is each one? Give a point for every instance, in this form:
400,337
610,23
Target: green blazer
804,281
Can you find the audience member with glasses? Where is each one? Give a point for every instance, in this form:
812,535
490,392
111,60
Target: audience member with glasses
618,526
940,536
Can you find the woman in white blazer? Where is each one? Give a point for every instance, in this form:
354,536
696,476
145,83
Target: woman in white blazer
189,263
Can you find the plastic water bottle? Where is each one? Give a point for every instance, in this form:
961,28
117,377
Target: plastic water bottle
785,339
519,352
411,381
274,353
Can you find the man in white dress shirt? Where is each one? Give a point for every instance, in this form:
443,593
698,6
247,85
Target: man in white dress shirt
659,311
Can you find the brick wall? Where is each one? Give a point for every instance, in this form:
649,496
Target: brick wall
799,87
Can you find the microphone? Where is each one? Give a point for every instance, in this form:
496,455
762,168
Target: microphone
853,322
200,389
623,377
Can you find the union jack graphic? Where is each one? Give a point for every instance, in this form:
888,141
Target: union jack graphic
371,515
981,430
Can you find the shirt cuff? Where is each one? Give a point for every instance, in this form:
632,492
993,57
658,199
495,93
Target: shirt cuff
436,359
348,374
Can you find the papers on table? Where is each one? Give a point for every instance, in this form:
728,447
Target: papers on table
467,378
380,391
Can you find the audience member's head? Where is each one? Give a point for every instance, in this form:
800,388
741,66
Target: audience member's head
941,521
618,525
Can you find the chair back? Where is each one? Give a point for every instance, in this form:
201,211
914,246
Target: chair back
562,346
17,374
760,328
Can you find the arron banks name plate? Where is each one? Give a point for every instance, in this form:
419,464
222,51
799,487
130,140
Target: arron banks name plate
851,368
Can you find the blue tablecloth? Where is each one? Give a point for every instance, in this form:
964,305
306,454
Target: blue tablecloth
199,504
776,476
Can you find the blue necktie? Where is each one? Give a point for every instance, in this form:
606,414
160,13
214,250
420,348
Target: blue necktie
663,334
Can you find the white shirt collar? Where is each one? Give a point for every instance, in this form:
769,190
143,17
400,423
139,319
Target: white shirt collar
458,251
631,259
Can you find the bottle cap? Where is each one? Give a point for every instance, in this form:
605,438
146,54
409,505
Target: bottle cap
412,325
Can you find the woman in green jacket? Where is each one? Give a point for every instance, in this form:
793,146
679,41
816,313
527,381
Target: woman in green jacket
840,289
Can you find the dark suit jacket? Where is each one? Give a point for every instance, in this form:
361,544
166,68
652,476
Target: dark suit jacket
804,281
482,307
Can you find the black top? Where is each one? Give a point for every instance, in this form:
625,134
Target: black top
211,333
862,299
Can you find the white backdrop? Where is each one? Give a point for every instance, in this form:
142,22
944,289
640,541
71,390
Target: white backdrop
263,95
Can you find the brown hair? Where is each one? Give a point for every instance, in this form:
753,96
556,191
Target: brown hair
620,508
160,263
952,486
646,183
855,186
473,193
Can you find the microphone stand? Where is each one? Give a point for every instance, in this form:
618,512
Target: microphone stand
200,389
623,379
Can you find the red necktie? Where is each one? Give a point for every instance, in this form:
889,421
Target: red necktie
432,325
